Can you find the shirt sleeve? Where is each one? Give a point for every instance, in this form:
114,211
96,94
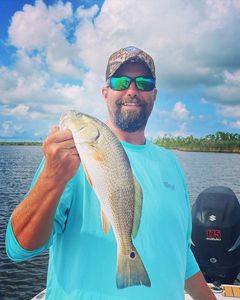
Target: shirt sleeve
192,267
14,250
191,264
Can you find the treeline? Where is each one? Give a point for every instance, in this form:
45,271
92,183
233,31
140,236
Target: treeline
218,142
3,143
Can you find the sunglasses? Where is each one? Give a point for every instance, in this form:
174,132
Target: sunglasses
122,83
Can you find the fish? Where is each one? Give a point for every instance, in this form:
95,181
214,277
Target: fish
109,172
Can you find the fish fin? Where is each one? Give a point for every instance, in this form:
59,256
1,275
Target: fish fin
87,175
131,270
137,207
105,223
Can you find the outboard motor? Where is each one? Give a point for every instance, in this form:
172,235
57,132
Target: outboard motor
216,234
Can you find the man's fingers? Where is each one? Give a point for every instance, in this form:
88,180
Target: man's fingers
60,141
58,136
54,129
74,151
68,144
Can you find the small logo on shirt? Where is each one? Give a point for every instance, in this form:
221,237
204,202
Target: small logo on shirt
169,185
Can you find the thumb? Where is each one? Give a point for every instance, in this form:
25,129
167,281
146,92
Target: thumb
54,129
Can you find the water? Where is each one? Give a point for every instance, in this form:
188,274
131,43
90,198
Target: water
17,166
205,169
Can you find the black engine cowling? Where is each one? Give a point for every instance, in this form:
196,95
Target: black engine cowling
216,234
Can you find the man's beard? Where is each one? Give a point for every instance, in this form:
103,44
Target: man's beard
128,120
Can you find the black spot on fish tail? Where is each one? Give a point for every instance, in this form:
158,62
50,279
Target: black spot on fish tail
132,254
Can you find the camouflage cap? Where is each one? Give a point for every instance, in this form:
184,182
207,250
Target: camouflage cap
131,54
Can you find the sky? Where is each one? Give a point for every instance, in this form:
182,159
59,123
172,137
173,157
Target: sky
53,56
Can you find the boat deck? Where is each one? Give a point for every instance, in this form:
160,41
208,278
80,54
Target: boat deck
226,292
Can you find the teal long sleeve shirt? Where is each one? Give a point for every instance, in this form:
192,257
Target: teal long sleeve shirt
83,260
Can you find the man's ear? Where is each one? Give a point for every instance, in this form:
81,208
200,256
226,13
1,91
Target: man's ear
155,94
105,92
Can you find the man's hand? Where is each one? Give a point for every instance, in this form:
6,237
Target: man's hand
32,219
62,159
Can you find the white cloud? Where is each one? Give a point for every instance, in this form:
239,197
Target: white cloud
184,38
29,88
20,110
232,78
36,26
8,129
6,125
228,92
87,13
178,113
229,111
61,54
182,130
235,124
60,59
86,97
186,49
40,28
178,117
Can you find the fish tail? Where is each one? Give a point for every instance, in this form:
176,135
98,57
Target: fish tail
131,270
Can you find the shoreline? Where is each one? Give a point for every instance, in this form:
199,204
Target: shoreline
179,148
30,143
234,151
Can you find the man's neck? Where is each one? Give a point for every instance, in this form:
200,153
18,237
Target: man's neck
136,138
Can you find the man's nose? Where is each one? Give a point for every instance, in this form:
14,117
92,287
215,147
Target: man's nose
132,91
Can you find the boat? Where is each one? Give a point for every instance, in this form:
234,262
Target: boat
225,292
215,241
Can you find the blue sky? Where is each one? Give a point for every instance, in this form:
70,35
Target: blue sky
53,56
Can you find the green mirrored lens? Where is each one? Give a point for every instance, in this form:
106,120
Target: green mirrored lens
123,83
145,84
120,83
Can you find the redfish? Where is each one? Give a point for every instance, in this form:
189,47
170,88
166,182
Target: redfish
108,170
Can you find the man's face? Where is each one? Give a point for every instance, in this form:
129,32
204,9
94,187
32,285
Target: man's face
129,109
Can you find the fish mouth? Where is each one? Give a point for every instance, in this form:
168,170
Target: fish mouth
63,119
69,114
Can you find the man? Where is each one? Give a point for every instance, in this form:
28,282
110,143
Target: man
61,212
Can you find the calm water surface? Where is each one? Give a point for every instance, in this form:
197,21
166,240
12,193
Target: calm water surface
17,166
